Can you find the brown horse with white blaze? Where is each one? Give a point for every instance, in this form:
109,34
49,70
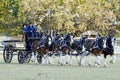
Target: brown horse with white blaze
42,47
65,49
92,48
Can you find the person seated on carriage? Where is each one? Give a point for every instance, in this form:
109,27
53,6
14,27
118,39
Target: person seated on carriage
30,33
31,30
24,28
24,31
95,42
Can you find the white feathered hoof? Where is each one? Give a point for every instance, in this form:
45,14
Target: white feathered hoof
32,61
70,64
62,64
58,62
106,66
79,64
96,65
89,65
112,62
82,65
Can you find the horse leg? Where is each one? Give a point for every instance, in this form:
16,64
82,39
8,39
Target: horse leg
81,63
70,58
105,64
67,59
36,58
46,58
113,59
97,61
77,57
33,57
53,56
43,60
88,59
51,61
83,54
60,58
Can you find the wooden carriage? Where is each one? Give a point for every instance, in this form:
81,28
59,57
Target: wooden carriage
17,47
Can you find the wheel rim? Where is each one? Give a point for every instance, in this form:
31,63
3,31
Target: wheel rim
27,57
21,57
8,54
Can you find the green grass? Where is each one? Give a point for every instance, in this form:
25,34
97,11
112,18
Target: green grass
32,71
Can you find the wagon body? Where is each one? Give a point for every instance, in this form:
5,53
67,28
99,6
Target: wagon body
17,44
16,47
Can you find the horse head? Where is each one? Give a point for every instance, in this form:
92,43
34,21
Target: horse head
110,42
81,43
102,42
69,39
109,50
48,40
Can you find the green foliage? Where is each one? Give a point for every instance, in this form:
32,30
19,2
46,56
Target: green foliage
60,15
9,16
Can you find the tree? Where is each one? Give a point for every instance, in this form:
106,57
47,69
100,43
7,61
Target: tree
10,16
60,15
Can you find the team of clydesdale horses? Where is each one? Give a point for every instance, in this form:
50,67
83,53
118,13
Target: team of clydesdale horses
66,46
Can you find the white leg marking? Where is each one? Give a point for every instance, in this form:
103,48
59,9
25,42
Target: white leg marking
33,57
36,58
82,60
46,58
77,58
52,59
113,59
88,60
60,58
105,64
68,59
97,61
43,60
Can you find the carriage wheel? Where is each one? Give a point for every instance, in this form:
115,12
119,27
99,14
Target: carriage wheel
21,57
39,59
27,57
8,54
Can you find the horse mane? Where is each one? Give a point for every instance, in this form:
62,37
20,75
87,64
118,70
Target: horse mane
109,42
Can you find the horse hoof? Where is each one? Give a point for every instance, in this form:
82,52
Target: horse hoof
96,65
49,62
89,65
62,64
106,66
79,64
32,60
36,63
111,62
59,63
70,64
66,62
82,65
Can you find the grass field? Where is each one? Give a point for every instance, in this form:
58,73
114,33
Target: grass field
32,71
